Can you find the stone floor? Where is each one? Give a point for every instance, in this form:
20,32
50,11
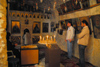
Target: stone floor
65,62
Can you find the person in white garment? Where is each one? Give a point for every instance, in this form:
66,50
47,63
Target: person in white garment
69,38
26,38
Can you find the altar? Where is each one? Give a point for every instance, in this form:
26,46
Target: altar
52,52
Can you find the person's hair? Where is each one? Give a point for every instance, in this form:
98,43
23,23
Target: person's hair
70,23
84,21
26,30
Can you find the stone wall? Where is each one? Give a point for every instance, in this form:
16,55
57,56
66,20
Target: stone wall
93,48
17,16
3,46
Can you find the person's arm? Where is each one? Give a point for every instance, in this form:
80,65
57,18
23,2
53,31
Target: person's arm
72,33
83,32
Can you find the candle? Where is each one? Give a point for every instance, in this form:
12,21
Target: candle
40,38
43,38
47,37
51,38
54,37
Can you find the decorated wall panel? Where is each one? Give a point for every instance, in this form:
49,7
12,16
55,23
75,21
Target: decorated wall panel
15,27
96,26
36,27
45,27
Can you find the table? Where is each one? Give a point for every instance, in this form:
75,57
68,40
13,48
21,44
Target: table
52,54
29,55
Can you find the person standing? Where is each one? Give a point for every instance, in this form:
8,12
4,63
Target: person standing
69,38
83,39
27,37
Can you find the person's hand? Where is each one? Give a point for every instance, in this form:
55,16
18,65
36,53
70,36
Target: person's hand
65,40
70,40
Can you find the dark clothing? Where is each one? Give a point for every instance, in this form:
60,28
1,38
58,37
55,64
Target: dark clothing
15,51
12,47
81,55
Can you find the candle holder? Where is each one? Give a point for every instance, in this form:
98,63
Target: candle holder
48,41
43,38
47,37
51,38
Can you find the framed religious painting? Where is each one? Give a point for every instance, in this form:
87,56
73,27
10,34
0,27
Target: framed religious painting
63,25
36,27
26,21
77,25
52,24
85,4
76,4
98,1
16,40
96,26
45,27
15,27
60,11
63,6
68,7
52,29
35,39
57,25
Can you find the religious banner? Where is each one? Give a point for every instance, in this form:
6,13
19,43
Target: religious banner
15,29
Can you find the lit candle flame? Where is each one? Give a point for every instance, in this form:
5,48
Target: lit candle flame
47,37
40,38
